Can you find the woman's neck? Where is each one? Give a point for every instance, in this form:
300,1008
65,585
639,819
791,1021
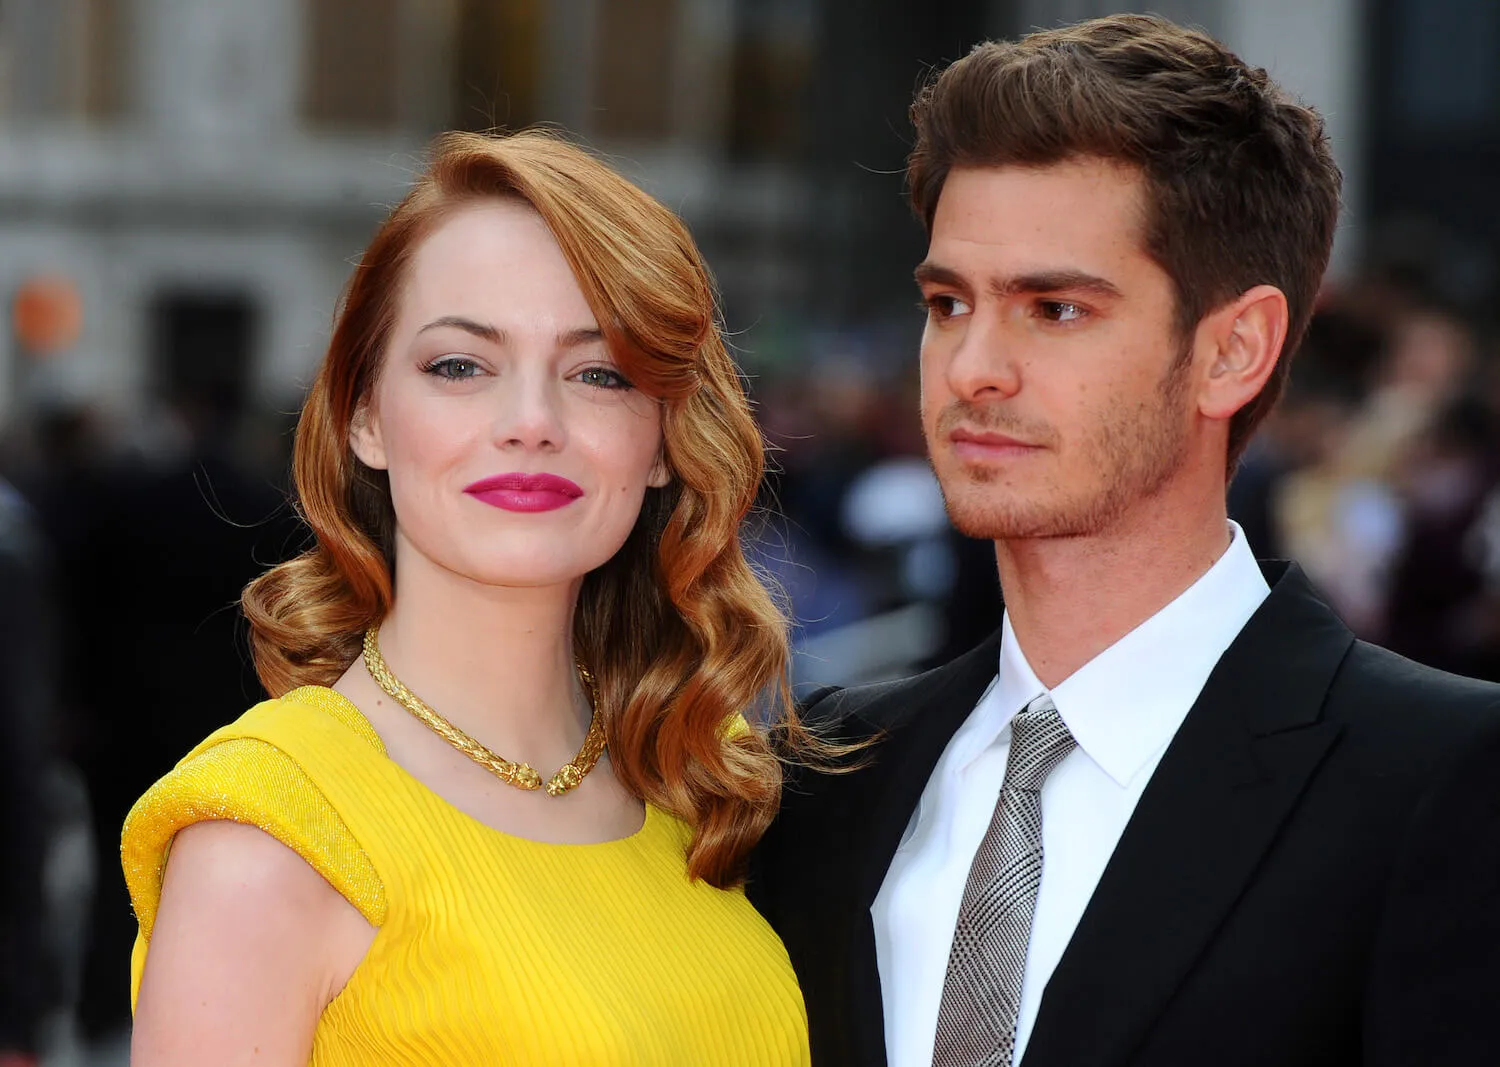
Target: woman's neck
497,662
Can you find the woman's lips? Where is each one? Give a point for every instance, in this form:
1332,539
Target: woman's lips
517,491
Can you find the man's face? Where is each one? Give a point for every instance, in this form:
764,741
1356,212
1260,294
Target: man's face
1054,385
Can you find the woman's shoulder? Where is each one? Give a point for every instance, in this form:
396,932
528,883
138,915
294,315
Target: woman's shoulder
242,919
255,771
311,713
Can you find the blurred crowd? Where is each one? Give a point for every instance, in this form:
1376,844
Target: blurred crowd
1380,472
123,549
126,647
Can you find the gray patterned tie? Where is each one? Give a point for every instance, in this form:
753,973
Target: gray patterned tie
982,990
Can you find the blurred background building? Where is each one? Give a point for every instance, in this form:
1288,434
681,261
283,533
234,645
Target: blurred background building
184,184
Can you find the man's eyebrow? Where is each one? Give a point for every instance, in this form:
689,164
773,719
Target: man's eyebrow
1055,281
928,272
458,322
1034,282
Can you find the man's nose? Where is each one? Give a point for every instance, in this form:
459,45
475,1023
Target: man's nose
984,366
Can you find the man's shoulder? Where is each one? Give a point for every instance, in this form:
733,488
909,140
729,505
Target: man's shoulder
859,710
1381,680
901,722
862,711
1408,720
1296,626
828,806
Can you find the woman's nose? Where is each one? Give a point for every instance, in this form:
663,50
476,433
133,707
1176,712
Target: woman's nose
530,414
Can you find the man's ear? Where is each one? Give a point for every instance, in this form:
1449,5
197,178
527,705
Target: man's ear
365,437
1244,340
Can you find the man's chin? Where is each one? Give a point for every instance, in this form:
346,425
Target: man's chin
1020,520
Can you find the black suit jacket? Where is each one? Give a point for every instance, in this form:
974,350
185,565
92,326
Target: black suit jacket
1311,877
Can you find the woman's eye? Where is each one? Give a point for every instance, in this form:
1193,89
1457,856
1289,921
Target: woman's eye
945,306
1061,311
453,368
603,378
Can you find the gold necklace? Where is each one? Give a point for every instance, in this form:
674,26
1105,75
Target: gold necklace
520,775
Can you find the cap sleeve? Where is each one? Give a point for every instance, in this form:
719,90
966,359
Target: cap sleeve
245,780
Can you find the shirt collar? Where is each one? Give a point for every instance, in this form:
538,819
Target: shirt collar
1127,703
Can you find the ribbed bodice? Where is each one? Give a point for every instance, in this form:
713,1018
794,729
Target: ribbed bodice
491,949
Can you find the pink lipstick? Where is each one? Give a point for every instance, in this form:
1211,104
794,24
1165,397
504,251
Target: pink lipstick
525,492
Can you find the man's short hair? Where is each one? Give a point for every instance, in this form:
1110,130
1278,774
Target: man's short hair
1241,188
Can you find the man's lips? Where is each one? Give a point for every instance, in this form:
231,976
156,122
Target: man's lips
519,491
980,445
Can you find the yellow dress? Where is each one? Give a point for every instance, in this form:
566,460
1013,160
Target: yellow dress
491,949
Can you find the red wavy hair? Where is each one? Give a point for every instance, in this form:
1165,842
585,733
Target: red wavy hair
679,631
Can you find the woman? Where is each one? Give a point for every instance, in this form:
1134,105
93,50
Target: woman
525,459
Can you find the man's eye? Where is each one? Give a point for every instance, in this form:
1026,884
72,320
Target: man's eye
603,378
453,368
1061,311
945,306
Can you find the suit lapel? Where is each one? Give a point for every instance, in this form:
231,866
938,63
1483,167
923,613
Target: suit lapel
917,732
1223,789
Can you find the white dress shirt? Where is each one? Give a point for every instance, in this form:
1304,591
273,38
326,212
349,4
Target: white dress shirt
1123,708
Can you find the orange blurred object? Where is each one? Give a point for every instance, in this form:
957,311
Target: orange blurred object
46,314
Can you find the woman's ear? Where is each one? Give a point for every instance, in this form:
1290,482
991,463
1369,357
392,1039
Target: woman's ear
365,437
661,474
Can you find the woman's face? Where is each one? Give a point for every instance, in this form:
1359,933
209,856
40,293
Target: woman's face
518,454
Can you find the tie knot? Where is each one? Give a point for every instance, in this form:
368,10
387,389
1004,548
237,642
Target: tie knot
1039,740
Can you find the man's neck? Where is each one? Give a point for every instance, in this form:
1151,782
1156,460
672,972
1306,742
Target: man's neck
1070,598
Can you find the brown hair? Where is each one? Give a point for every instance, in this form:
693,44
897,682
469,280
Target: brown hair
679,632
1241,187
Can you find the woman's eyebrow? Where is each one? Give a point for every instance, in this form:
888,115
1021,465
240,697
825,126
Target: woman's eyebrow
458,322
584,335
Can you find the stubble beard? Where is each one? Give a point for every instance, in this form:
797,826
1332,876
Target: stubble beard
1136,452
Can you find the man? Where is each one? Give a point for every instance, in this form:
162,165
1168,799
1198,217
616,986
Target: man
1173,813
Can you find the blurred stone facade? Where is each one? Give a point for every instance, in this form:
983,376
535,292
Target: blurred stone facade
204,170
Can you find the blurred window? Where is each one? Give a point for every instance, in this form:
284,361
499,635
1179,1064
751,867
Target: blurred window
1433,127
499,50
1446,70
203,343
61,59
773,59
354,70
634,67
104,85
